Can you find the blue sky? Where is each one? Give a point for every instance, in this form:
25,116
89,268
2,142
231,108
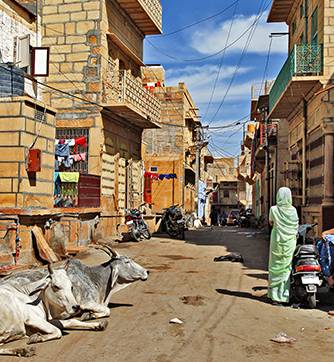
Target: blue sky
220,85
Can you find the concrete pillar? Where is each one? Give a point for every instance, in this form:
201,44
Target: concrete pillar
328,177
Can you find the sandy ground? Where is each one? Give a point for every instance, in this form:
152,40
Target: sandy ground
225,313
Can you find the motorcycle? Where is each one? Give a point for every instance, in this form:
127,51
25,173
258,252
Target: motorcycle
136,224
306,274
222,221
173,222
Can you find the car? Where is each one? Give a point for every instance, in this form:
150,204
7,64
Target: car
232,216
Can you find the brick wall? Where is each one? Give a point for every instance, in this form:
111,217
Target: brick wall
18,130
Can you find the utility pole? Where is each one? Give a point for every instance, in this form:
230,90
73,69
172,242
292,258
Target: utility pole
198,151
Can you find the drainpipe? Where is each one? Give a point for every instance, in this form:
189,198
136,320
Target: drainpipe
276,160
183,186
304,151
305,21
267,169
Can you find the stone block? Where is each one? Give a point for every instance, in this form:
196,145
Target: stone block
12,154
70,28
69,8
19,198
9,169
58,49
9,138
91,5
77,57
93,14
37,201
6,185
76,39
7,200
12,124
80,48
10,109
56,18
84,26
82,15
37,187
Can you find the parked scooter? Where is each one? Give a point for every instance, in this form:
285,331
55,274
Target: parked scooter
174,222
306,274
136,224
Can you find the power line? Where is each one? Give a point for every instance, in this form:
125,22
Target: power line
198,22
250,36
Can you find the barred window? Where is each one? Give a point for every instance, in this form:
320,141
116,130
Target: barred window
79,151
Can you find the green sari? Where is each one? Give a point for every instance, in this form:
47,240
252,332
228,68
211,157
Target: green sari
282,245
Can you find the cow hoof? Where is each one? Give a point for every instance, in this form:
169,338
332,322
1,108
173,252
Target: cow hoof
35,338
26,352
102,326
86,316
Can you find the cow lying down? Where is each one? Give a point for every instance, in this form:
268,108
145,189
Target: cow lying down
93,286
27,306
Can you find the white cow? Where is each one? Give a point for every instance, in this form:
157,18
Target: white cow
27,306
93,286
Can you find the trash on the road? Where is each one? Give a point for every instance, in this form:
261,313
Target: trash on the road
175,320
329,329
295,305
230,257
283,338
331,312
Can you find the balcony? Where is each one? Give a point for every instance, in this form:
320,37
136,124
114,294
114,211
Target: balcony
125,94
147,14
298,79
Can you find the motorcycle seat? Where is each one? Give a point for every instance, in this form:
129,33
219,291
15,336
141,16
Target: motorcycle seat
307,250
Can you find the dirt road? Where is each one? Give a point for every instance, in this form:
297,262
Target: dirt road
225,315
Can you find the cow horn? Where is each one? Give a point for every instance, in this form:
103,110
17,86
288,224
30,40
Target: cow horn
67,265
50,269
107,249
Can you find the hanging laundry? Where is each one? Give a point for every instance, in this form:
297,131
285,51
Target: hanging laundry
62,150
71,142
172,175
167,177
155,176
80,157
57,183
69,176
161,177
81,141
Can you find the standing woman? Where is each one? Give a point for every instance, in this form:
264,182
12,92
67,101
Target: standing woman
284,220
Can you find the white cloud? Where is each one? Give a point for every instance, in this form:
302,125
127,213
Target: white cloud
213,38
200,81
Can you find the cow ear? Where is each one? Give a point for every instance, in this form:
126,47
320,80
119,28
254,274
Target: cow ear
40,285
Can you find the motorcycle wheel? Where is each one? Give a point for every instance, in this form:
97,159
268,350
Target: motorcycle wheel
135,232
169,228
147,233
312,302
181,232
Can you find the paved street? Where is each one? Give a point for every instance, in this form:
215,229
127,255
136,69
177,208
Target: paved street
225,314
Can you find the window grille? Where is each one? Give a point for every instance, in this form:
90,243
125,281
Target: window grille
153,169
81,166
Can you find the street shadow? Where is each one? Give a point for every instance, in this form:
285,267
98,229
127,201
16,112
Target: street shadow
118,305
254,250
247,295
263,276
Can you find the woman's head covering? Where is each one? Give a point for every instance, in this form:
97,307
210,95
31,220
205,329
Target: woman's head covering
285,215
284,197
